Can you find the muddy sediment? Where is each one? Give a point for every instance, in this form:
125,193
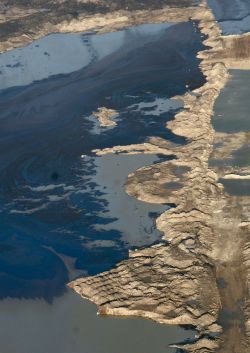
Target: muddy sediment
199,275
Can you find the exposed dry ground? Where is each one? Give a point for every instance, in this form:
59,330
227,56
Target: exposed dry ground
22,21
105,115
201,275
234,52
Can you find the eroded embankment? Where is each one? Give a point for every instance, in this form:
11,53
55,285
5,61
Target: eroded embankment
234,51
179,282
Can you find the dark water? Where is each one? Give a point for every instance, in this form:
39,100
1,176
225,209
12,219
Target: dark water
233,15
62,214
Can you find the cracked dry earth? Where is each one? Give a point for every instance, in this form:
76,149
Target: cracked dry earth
200,274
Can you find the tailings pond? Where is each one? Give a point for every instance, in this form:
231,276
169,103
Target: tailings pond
63,210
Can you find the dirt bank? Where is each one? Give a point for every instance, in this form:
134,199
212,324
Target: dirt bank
24,21
199,275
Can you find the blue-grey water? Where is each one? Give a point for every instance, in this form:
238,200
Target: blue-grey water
233,15
71,325
231,117
63,210
57,199
231,113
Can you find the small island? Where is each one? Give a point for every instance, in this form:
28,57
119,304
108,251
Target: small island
105,115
